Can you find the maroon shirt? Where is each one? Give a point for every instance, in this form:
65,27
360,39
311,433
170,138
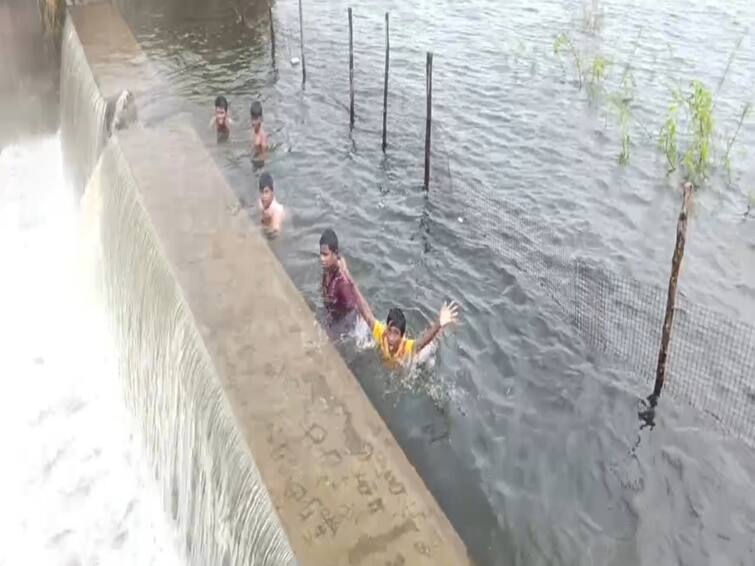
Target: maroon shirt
338,295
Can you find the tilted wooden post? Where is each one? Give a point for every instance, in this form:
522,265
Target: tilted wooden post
351,71
301,39
385,87
428,125
272,30
676,263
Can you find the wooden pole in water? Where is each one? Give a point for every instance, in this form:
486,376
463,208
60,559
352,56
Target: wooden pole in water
385,87
301,39
428,125
351,71
676,263
272,29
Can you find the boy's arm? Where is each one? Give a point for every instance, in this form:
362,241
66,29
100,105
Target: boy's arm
362,306
449,313
277,222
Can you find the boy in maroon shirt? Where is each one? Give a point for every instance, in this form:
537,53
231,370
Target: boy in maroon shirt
337,289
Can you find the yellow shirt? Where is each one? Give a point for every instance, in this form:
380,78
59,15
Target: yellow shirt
404,351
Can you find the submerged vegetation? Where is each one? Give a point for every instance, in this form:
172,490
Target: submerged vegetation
595,77
563,43
696,158
687,136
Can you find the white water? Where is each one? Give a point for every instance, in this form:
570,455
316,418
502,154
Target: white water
74,485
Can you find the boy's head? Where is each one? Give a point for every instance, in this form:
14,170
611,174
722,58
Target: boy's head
266,190
395,326
256,111
221,109
328,249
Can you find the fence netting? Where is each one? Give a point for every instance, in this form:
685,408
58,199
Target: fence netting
711,360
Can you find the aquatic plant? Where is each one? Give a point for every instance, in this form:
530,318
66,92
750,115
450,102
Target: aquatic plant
696,158
596,75
746,109
732,56
620,103
564,43
667,139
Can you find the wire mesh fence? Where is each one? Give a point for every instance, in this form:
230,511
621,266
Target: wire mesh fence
711,358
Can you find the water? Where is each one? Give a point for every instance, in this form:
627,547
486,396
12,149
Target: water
210,485
531,445
83,117
75,485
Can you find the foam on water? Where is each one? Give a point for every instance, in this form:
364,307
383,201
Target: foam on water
75,487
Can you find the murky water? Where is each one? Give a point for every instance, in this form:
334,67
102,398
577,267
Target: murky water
537,456
75,485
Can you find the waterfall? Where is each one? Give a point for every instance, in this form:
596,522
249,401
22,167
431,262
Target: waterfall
82,108
211,486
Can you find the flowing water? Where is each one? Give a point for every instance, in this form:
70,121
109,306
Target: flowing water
531,445
210,484
75,486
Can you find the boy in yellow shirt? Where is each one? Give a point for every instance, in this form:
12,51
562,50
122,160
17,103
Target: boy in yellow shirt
390,338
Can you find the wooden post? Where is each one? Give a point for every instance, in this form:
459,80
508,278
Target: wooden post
385,87
428,125
272,29
676,262
351,71
301,39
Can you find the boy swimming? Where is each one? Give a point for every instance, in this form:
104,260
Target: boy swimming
272,212
259,137
221,121
336,287
390,338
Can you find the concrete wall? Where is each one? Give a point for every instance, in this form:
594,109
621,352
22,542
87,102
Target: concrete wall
342,488
27,77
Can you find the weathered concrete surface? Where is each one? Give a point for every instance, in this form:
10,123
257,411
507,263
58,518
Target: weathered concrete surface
114,55
343,489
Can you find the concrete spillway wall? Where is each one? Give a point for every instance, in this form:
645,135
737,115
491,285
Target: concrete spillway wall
266,446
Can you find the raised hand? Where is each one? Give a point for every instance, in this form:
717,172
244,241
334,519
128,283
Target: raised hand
449,314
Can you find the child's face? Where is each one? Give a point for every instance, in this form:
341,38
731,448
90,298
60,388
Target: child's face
328,259
393,337
220,114
256,123
266,196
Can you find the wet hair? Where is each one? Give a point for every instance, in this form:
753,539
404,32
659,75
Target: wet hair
266,180
329,239
256,109
221,102
396,318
